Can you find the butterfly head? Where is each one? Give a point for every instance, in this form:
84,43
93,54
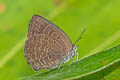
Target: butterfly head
75,48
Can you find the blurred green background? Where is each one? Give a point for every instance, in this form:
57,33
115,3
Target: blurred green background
101,18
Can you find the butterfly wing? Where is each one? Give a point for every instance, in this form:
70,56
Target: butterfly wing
46,45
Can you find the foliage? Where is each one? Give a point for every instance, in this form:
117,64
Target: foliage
100,18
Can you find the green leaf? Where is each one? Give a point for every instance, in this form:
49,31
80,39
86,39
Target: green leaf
93,67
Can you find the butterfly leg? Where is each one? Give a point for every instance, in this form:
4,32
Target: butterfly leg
60,65
76,56
72,60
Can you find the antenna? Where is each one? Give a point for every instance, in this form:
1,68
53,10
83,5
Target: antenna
80,36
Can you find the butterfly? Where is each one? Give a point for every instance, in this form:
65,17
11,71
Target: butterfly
47,46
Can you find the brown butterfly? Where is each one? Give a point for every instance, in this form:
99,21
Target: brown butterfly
47,46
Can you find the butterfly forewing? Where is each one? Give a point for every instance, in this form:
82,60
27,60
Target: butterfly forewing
46,45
